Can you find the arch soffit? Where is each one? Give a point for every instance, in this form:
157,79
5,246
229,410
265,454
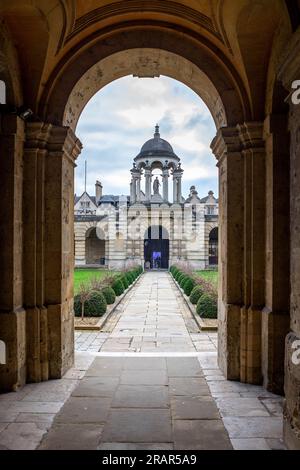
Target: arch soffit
219,85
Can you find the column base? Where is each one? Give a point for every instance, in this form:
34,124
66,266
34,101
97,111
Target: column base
37,344
291,414
229,321
13,334
61,338
275,327
250,354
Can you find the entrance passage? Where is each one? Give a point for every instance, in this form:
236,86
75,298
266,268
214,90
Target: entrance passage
156,248
94,248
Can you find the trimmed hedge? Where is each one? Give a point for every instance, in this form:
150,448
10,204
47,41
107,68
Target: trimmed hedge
188,286
207,307
118,287
77,306
124,281
130,277
94,307
180,278
196,293
183,280
109,295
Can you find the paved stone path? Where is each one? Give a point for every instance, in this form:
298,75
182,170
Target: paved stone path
150,381
140,403
152,318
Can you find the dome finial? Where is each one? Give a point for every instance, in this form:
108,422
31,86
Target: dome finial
157,134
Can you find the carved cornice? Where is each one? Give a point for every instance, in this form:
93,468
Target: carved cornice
54,139
63,140
251,135
226,141
37,135
246,136
167,7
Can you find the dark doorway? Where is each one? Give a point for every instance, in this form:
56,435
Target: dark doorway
94,248
156,248
213,247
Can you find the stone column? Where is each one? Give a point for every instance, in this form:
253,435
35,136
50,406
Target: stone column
35,154
226,147
275,316
174,188
148,177
165,179
12,314
179,191
288,73
253,153
138,187
63,149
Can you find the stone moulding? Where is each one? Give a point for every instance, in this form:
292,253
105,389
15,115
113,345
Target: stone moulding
134,6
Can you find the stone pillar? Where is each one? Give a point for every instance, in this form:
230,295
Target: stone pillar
253,154
179,190
63,149
138,187
226,147
174,188
165,179
289,72
12,314
275,317
148,177
132,191
35,154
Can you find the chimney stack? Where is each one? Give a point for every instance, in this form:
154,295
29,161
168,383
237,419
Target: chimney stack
98,191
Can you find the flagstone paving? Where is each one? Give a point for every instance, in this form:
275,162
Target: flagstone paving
152,318
149,381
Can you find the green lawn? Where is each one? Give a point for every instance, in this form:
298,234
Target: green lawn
84,275
211,276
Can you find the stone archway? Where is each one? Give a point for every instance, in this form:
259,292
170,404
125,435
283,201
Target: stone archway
223,57
156,248
94,248
131,52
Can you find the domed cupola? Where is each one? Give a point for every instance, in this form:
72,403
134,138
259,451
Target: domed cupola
156,147
156,154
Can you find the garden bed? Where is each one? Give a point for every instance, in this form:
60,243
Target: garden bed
199,295
205,324
97,323
97,299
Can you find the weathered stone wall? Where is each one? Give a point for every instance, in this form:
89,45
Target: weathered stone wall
12,314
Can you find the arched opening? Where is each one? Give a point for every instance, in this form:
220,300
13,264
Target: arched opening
156,248
94,248
213,247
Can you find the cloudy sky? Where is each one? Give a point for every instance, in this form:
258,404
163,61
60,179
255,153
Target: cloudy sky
121,117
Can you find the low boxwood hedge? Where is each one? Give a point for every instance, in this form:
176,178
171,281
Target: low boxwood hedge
188,286
109,295
94,307
207,306
196,293
118,286
184,278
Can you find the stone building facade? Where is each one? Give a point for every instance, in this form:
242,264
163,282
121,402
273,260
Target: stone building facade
166,230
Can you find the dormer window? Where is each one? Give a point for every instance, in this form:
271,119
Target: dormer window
210,210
